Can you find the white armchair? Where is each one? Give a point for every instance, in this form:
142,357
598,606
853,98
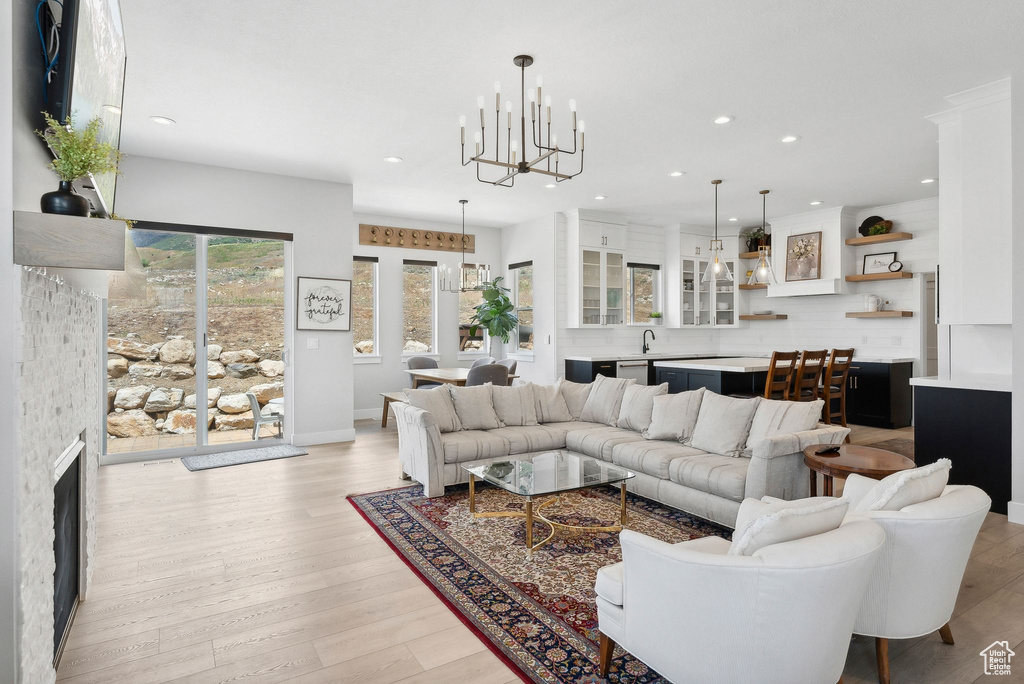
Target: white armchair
695,614
913,589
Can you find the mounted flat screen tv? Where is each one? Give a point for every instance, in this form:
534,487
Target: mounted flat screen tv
83,44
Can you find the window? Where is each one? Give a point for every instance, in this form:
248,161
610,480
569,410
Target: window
643,292
522,297
364,305
418,306
468,301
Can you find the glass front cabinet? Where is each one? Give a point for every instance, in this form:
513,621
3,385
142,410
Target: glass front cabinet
706,304
597,270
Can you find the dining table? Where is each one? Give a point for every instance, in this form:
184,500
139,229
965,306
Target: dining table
444,376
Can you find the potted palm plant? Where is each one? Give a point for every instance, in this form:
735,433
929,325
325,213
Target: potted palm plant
78,154
495,313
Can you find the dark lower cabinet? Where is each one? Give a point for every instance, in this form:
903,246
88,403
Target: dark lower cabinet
880,395
587,371
972,429
720,382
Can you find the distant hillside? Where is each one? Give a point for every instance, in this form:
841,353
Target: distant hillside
180,242
224,253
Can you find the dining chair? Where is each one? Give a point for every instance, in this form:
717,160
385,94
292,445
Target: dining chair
419,363
258,419
485,361
780,375
481,375
808,375
511,364
833,386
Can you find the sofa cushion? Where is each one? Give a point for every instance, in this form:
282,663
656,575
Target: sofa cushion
723,424
438,402
605,398
572,425
575,395
514,405
907,487
550,404
523,439
599,442
609,583
474,408
774,523
470,445
716,474
773,417
673,416
637,405
650,457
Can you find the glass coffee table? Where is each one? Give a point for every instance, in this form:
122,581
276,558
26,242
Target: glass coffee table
551,473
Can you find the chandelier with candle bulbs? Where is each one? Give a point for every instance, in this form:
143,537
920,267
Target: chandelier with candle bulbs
513,161
470,277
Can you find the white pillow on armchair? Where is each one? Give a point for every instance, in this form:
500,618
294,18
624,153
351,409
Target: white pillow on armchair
761,523
904,488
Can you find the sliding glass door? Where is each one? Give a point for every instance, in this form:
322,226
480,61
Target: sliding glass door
196,344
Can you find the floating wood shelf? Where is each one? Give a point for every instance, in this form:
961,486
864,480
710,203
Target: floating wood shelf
749,255
898,275
755,286
763,317
879,314
59,241
876,239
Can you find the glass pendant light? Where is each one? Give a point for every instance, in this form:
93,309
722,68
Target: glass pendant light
717,268
763,271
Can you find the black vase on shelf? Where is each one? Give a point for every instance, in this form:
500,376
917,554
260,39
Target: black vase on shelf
63,200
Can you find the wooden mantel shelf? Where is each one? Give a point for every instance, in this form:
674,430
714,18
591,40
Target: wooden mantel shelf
755,286
877,239
763,317
879,314
58,241
898,275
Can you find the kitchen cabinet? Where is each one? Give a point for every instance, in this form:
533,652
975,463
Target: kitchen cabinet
603,235
879,394
707,304
596,272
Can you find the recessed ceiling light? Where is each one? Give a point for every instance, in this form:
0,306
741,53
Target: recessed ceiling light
601,197
724,119
815,203
789,138
113,109
676,174
927,180
734,219
393,160
162,120
550,185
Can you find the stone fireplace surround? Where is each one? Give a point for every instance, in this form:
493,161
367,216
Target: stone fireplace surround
59,396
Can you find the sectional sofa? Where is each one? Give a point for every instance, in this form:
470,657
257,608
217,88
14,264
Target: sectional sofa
696,451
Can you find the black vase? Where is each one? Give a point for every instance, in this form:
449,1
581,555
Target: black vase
64,201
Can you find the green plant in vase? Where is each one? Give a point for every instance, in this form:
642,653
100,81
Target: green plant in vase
79,153
495,313
755,239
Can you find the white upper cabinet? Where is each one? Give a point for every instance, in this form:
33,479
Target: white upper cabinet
975,230
602,234
708,305
596,270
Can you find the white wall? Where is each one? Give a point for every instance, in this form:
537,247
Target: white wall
386,370
535,241
1016,507
317,213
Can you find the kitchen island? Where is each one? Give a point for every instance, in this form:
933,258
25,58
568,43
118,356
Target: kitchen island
744,375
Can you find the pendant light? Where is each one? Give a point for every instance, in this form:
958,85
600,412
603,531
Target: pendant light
763,271
471,277
717,268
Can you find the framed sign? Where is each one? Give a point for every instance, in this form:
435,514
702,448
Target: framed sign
324,304
803,256
879,263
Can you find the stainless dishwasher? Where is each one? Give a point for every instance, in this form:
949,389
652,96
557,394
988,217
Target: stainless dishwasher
632,369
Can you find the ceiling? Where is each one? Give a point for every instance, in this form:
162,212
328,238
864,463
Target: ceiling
327,89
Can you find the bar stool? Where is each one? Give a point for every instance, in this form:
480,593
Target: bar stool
808,375
833,386
780,374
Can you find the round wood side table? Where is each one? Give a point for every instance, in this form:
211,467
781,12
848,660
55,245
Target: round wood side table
862,460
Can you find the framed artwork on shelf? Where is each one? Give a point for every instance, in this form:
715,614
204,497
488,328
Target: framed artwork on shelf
324,304
803,257
879,263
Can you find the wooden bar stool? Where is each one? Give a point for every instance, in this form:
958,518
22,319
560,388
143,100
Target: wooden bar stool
833,386
808,375
780,375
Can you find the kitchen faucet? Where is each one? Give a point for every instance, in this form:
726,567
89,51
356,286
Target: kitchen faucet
646,346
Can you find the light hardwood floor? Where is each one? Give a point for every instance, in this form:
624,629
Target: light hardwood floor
265,573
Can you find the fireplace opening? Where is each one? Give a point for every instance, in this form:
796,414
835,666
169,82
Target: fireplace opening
66,544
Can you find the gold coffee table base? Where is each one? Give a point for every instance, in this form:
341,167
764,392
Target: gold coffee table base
531,513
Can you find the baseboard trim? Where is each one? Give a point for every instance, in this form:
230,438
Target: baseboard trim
1015,512
366,414
330,437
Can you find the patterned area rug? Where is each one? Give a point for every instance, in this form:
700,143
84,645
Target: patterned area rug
537,614
904,447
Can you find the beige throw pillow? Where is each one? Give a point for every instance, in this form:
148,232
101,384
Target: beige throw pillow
638,404
774,417
723,424
438,402
575,395
514,405
907,487
761,524
674,416
605,399
550,404
473,407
